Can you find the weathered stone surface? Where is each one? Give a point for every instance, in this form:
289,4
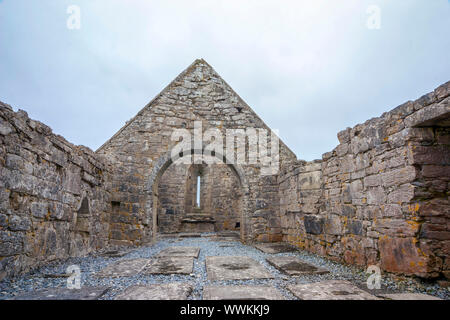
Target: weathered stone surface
166,291
190,235
235,268
277,247
141,152
294,266
402,255
85,293
170,265
408,296
179,252
378,192
123,268
313,225
330,290
37,208
115,253
241,293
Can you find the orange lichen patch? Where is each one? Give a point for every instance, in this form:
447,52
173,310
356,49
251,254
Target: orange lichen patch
413,224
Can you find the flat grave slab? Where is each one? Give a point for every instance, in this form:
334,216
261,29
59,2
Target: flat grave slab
235,268
123,268
226,236
179,252
170,265
294,266
330,290
276,247
241,293
164,291
85,293
408,296
189,235
115,253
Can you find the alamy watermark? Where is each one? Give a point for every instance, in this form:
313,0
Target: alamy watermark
248,146
374,19
74,19
74,280
374,280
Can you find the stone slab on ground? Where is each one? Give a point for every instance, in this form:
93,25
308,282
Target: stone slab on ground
179,252
241,293
330,290
189,235
164,291
276,247
170,265
123,268
226,236
407,296
235,268
85,293
115,253
294,266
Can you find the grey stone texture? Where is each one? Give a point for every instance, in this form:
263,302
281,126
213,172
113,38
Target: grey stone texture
84,293
179,252
166,291
275,247
235,268
241,293
53,196
294,266
170,265
158,192
330,290
381,196
408,296
123,268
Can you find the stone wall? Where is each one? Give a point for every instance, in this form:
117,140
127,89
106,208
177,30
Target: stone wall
53,198
220,197
144,143
381,196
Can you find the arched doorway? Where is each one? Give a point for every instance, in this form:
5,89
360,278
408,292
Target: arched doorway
165,161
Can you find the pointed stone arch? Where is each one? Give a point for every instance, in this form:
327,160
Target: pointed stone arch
164,162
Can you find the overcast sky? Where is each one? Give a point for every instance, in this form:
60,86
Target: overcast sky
308,68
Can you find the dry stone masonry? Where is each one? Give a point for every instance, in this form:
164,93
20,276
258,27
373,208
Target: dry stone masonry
381,197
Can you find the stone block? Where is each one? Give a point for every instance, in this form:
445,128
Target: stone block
313,225
329,290
165,291
294,266
235,268
241,293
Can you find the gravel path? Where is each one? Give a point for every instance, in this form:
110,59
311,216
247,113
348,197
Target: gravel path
208,247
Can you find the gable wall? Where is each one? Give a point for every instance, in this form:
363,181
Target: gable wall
198,94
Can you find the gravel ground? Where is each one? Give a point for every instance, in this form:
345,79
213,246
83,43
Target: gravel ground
208,247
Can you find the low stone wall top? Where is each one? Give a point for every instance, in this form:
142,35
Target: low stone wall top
53,198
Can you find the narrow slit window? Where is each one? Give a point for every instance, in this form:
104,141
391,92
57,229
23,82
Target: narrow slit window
198,190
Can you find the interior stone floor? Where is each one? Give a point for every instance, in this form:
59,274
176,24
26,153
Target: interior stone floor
207,266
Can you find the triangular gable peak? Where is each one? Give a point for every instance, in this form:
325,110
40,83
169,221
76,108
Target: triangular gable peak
197,93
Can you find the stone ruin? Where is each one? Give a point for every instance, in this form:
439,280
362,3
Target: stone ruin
381,197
